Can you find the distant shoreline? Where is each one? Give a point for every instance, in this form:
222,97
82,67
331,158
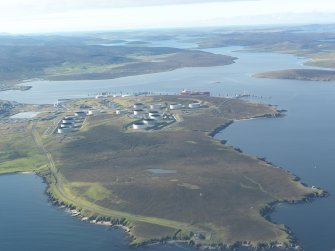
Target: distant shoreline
299,74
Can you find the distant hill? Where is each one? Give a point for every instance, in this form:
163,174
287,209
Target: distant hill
299,74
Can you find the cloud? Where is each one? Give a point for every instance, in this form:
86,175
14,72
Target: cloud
77,15
52,6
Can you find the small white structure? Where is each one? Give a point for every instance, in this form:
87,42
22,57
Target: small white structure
155,106
80,114
138,112
155,116
93,112
139,125
119,112
194,105
64,130
149,122
175,106
138,106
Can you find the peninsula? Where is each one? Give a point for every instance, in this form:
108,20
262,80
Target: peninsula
299,74
151,165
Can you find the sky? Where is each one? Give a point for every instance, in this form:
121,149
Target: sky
38,16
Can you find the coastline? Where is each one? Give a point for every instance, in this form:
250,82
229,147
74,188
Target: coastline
122,223
265,212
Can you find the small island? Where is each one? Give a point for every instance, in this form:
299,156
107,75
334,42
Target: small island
151,165
299,74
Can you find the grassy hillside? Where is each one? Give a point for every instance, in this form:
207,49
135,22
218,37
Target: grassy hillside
300,74
81,57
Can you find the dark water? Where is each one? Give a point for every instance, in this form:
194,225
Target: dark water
28,222
303,142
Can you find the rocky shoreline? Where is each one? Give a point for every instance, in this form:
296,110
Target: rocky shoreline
271,207
14,87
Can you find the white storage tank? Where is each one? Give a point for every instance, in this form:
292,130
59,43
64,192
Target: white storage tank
149,122
67,120
138,112
80,114
138,106
139,125
64,130
93,112
175,106
119,112
155,116
194,105
155,106
153,113
66,125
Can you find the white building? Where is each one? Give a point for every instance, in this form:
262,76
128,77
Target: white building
194,105
175,106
